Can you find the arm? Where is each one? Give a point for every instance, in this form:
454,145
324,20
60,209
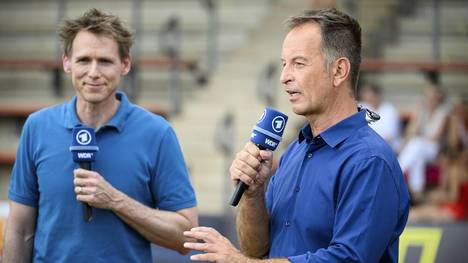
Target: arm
253,226
441,129
164,228
413,125
19,236
253,167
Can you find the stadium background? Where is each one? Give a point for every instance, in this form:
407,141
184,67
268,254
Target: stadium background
211,66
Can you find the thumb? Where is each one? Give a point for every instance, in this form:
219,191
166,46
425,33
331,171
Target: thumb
266,155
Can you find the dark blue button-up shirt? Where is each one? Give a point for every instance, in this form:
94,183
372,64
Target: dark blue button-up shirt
337,197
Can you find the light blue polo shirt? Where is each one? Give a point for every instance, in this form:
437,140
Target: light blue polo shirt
138,154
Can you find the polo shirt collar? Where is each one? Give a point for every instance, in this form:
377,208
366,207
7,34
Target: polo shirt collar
117,121
338,132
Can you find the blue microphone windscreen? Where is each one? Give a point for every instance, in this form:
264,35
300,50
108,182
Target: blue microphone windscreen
269,129
84,146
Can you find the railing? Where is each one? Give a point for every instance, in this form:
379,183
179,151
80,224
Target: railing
51,64
374,65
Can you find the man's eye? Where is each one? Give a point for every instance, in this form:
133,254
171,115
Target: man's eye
106,61
299,64
82,60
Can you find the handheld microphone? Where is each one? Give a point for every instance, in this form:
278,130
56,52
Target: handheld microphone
266,135
84,149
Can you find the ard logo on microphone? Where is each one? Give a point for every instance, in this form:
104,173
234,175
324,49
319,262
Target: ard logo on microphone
278,124
83,137
84,146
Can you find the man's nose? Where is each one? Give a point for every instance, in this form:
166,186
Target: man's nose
94,71
286,75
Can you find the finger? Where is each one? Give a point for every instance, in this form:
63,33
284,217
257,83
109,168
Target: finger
82,173
85,198
266,155
249,159
205,247
204,236
81,190
240,175
211,257
86,190
206,229
84,181
252,149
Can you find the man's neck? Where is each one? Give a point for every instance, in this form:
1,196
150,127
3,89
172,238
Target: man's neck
337,111
96,115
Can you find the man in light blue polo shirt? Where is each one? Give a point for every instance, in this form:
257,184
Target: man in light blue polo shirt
338,194
139,190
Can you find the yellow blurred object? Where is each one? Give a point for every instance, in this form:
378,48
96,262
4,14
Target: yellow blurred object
4,211
428,238
2,235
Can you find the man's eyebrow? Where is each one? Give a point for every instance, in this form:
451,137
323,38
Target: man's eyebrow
296,58
299,58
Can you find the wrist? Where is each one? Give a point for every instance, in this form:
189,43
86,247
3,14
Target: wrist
253,197
118,201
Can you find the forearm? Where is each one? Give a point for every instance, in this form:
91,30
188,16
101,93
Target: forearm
253,226
163,228
18,246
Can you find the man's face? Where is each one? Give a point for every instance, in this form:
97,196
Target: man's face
304,76
95,67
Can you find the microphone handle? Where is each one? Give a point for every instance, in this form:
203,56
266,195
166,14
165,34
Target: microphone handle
241,187
87,210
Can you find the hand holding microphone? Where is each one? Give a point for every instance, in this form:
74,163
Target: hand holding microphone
253,164
84,150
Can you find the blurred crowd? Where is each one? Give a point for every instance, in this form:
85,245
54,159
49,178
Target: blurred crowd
432,147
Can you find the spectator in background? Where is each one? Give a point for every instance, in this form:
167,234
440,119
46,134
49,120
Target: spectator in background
423,139
454,152
449,202
389,124
140,190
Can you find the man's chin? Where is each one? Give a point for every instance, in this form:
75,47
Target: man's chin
298,110
94,98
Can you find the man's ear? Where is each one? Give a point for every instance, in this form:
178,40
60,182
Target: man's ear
127,65
66,64
341,69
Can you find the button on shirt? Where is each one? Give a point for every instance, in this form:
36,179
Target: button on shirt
338,197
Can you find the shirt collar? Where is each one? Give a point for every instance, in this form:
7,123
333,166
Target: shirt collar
117,121
338,132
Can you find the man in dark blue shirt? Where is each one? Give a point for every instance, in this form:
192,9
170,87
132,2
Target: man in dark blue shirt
338,194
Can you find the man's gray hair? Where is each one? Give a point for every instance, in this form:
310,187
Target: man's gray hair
341,37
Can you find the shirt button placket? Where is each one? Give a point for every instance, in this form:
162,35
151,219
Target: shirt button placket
309,155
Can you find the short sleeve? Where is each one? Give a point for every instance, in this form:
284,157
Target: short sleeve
171,185
23,180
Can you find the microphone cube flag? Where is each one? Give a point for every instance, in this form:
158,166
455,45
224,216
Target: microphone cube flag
84,146
268,131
